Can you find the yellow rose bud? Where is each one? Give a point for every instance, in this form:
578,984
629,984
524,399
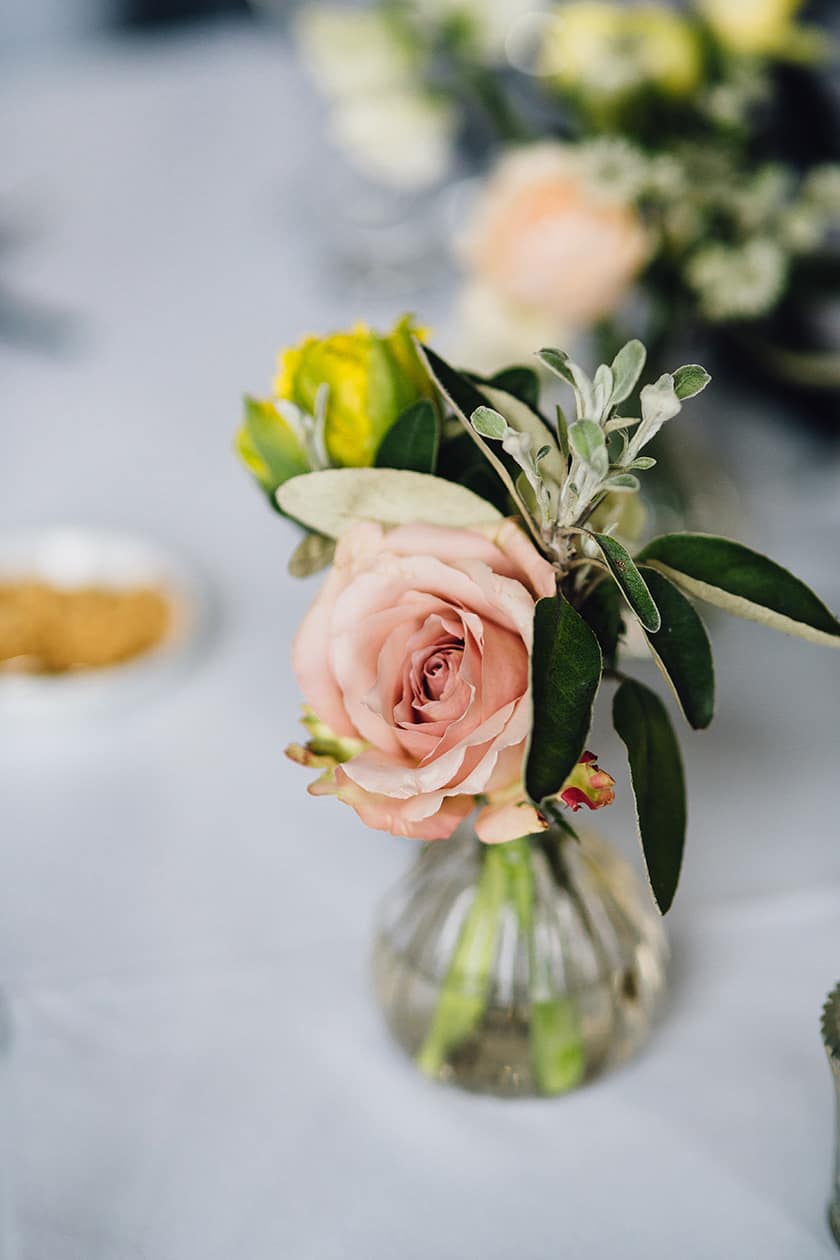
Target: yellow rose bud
755,27
370,380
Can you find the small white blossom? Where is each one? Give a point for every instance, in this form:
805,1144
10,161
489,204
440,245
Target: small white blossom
740,282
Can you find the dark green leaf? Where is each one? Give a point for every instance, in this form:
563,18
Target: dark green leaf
522,382
630,580
462,461
602,611
565,673
562,432
465,398
682,651
411,443
658,782
744,583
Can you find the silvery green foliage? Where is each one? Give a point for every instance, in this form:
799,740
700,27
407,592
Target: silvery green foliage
561,490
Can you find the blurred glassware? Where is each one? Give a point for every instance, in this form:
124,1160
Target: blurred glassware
73,557
519,969
831,1040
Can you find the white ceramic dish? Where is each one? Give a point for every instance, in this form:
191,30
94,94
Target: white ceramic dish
73,556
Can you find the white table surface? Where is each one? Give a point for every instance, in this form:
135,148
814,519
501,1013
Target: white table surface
201,1072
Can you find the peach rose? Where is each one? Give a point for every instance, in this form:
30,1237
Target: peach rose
544,237
415,659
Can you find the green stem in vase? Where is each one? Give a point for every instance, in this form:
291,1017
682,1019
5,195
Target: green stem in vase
464,993
557,1055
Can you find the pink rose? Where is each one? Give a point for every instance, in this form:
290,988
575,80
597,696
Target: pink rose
418,646
546,238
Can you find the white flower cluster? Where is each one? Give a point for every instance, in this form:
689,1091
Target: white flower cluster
738,236
393,129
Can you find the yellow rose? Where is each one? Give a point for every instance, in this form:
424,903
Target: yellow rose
607,52
357,382
755,27
370,380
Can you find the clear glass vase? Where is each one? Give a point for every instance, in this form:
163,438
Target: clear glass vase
519,969
831,1040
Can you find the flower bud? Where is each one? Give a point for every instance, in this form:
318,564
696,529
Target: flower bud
370,380
588,785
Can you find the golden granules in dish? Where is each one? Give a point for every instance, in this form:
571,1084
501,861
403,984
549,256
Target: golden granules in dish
47,629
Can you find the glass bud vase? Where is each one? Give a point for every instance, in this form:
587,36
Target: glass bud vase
831,1040
519,969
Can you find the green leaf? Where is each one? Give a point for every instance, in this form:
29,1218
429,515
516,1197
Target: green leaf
682,651
565,673
602,611
627,367
628,577
560,363
658,781
690,381
331,501
313,553
412,441
744,583
488,423
521,382
274,442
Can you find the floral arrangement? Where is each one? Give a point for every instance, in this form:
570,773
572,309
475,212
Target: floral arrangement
687,156
478,589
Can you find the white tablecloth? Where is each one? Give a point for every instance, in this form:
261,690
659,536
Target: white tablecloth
200,1069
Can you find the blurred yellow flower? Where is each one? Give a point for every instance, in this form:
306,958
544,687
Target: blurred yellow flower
365,380
607,52
759,27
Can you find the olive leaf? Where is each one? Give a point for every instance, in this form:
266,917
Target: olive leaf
744,583
629,579
565,673
658,782
682,651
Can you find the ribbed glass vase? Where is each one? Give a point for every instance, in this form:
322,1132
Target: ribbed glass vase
519,969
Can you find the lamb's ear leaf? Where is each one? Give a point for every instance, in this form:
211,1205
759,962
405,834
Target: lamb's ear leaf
602,610
742,582
682,651
333,500
412,440
627,367
658,782
565,673
630,580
